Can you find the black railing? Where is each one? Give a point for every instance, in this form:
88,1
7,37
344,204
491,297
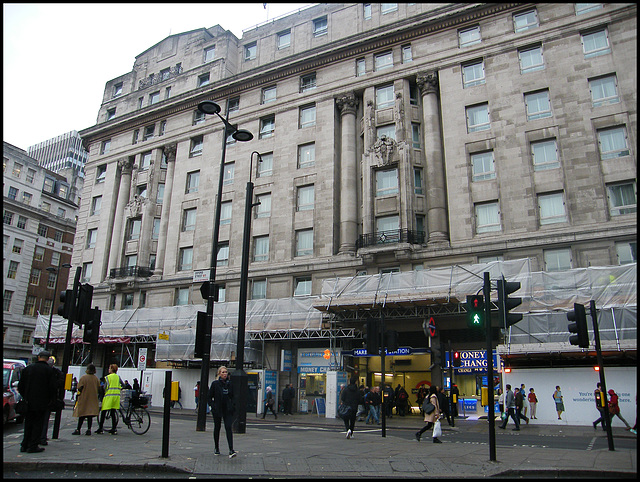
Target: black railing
390,237
125,271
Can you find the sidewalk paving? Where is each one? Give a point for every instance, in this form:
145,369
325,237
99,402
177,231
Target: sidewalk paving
316,447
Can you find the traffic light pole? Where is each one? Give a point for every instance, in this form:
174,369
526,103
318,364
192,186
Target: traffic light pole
383,349
66,358
491,415
596,336
451,402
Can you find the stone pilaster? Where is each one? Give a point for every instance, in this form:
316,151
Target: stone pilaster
348,174
436,196
170,153
117,238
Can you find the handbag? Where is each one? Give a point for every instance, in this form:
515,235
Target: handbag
428,407
437,429
22,407
344,411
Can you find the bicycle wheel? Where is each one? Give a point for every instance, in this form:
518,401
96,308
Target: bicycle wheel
140,420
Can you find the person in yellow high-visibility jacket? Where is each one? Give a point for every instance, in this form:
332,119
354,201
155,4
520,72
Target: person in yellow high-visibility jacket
111,399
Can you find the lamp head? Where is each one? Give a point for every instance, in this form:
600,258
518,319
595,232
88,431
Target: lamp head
209,107
242,135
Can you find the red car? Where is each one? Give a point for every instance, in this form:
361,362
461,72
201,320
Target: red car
11,370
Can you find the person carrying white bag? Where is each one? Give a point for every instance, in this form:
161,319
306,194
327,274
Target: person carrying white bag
432,416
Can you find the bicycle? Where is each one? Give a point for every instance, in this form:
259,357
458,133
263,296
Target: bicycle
136,416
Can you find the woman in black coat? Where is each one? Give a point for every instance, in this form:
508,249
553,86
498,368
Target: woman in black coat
222,408
351,397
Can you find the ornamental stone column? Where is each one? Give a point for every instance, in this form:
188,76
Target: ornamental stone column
436,194
170,154
348,174
117,237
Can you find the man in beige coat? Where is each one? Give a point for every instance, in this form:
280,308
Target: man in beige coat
87,400
432,417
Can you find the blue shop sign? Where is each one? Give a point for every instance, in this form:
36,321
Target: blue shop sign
405,350
473,361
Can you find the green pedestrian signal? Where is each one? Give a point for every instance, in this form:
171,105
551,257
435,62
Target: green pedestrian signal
475,311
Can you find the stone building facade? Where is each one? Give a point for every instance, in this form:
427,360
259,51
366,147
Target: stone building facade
394,137
38,229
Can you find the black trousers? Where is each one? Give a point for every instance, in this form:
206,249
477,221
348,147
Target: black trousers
600,419
33,422
287,406
350,421
103,414
270,407
217,425
89,422
511,412
425,428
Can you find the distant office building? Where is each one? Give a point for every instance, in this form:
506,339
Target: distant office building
61,154
38,227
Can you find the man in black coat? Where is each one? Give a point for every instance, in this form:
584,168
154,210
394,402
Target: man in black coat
60,389
288,394
443,401
37,386
352,397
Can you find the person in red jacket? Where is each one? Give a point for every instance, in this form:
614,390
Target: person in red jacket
614,408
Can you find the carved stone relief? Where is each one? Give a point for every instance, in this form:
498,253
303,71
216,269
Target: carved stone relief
427,82
385,150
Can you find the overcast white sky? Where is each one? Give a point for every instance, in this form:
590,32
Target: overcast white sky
58,57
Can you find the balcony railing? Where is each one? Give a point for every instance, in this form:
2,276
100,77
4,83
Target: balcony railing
135,271
390,237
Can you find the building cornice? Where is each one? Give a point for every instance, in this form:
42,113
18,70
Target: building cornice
366,42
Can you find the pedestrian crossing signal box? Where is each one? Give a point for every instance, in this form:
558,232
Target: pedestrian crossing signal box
484,396
67,381
175,389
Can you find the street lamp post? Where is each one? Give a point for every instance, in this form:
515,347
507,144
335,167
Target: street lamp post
52,269
240,379
210,107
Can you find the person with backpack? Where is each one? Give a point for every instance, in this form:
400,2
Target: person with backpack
403,402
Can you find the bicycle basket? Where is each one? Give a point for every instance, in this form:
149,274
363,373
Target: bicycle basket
139,401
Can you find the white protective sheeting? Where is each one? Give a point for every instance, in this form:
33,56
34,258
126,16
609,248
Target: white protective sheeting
178,324
546,296
609,286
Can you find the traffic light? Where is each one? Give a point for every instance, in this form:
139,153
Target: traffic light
66,308
92,326
392,340
457,361
579,326
373,337
475,311
505,304
207,288
201,328
436,352
85,297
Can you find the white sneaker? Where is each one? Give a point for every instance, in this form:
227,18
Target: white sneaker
232,454
349,433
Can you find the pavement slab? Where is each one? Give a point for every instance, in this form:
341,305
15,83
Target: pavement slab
304,446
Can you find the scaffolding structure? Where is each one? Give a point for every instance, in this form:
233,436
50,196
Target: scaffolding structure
546,297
